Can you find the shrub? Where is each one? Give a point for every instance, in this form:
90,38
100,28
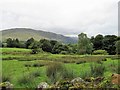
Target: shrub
100,52
97,69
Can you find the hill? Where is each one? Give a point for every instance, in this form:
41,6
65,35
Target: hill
25,33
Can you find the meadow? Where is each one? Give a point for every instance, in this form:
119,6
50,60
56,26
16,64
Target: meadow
26,70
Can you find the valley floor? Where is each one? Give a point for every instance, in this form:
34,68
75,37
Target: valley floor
26,70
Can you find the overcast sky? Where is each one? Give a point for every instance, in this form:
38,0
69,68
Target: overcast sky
67,17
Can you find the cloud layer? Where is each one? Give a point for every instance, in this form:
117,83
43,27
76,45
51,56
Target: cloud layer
68,17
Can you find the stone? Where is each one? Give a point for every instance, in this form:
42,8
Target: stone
77,80
116,79
43,85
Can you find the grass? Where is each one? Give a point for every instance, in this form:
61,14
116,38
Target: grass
19,64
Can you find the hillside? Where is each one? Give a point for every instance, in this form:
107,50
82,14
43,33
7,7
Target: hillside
24,33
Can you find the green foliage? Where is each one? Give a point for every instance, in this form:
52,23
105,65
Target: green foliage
26,79
36,73
109,44
117,45
58,48
106,43
54,71
17,58
100,52
84,44
53,42
98,42
45,45
13,43
68,73
6,78
37,50
97,69
29,43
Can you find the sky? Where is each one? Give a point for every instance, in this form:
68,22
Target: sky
67,17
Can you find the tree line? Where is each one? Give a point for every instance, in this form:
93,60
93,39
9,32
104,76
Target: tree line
106,44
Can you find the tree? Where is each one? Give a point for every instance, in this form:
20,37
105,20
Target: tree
98,42
84,44
45,45
53,42
59,47
109,44
117,45
9,42
29,42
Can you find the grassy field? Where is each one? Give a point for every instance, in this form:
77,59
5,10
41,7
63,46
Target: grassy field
24,69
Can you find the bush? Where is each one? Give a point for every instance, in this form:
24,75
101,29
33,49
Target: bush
100,52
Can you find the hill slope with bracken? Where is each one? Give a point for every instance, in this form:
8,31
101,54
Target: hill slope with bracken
25,33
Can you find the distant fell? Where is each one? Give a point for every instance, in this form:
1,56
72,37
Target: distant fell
25,33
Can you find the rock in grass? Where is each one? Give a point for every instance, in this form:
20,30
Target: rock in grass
43,85
77,80
116,79
6,85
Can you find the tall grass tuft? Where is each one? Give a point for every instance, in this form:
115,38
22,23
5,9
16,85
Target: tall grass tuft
6,78
68,74
53,71
25,79
57,71
97,69
36,73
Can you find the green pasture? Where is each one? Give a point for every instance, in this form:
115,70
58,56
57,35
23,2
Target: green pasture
18,63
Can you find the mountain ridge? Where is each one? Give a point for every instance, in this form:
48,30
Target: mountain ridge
25,33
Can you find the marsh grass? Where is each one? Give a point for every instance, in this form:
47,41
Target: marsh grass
6,77
97,69
68,74
36,73
25,79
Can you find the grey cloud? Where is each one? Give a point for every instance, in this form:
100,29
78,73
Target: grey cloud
68,17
